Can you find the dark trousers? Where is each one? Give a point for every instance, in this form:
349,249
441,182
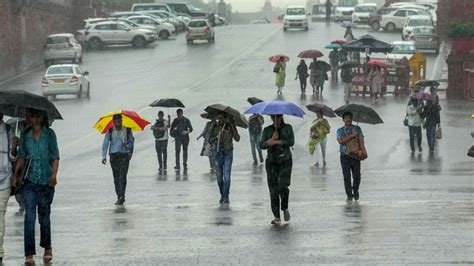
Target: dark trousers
177,145
120,163
279,179
161,147
37,197
351,181
303,84
431,136
414,132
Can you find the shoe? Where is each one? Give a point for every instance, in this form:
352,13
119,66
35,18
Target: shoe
185,166
276,221
29,260
48,256
221,201
226,201
324,163
117,202
349,199
286,215
316,164
255,162
177,167
356,195
412,152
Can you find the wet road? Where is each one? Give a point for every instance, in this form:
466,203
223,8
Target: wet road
413,209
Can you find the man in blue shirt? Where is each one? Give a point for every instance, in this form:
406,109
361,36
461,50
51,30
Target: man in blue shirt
350,164
118,141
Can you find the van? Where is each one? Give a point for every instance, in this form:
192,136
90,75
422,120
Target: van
295,17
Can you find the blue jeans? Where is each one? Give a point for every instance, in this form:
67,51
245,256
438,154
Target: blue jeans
431,136
255,147
37,197
414,132
351,182
223,168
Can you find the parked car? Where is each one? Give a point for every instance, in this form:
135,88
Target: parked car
200,29
112,32
362,11
375,18
150,6
401,49
179,25
344,10
62,46
65,79
186,9
164,30
295,17
395,20
415,21
425,38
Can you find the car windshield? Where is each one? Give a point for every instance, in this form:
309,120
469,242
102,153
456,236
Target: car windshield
57,40
403,49
420,22
197,24
423,31
60,70
347,3
144,8
365,9
295,11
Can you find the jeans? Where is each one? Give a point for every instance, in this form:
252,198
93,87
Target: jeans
303,83
4,196
37,197
178,143
120,163
279,179
254,145
431,136
161,147
349,165
414,131
223,169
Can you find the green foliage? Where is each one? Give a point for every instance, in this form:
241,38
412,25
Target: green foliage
461,29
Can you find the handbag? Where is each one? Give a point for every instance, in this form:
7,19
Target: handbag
470,153
439,133
21,180
405,121
276,69
354,148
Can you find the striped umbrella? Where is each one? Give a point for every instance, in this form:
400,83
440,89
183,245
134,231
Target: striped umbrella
130,119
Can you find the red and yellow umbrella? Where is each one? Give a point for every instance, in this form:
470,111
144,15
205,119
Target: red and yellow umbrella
130,119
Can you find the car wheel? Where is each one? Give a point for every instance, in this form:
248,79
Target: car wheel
95,44
79,94
164,34
139,41
390,27
375,26
88,92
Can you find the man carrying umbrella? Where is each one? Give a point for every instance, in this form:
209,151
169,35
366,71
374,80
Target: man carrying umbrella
160,132
180,130
334,57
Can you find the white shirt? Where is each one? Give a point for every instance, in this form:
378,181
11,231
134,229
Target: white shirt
414,118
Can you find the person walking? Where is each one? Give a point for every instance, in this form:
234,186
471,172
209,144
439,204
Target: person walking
432,122
223,136
180,130
160,132
302,75
334,57
350,165
346,76
277,139
255,131
208,149
280,71
414,110
119,143
348,35
39,154
8,155
377,81
318,136
328,10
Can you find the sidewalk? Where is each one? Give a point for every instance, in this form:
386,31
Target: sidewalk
440,72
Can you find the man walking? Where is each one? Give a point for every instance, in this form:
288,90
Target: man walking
119,143
328,10
433,121
349,164
347,76
414,110
160,132
180,129
255,130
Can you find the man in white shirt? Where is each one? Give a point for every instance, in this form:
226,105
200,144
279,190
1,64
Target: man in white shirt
160,132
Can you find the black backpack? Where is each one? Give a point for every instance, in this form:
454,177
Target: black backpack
159,133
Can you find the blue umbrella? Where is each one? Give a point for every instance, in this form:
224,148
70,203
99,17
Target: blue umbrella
333,46
275,108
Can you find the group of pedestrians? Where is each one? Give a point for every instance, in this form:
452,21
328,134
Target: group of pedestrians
317,76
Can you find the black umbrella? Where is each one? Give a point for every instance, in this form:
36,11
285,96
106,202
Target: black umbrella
238,118
362,113
167,103
350,64
15,103
326,110
324,66
254,100
427,83
368,43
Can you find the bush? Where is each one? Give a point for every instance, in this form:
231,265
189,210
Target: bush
461,30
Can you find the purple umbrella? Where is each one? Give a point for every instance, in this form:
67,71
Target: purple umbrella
276,108
422,96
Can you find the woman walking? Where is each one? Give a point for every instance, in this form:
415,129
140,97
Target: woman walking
277,140
208,149
302,75
318,135
376,81
39,154
280,71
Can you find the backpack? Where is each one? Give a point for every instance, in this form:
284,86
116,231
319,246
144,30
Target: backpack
159,133
129,136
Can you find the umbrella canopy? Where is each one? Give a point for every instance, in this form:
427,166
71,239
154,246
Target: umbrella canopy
276,108
323,65
167,103
340,42
422,96
310,54
317,108
15,103
333,46
238,119
350,64
254,100
368,43
130,119
377,63
427,83
276,58
472,116
362,113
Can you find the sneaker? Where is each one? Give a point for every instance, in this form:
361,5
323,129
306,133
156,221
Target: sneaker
286,215
276,221
356,195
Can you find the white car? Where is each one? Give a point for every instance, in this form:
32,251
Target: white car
200,29
361,13
295,17
416,21
66,79
401,49
344,10
164,30
62,46
112,32
397,18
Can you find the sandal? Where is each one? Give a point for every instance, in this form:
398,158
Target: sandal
30,261
48,257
